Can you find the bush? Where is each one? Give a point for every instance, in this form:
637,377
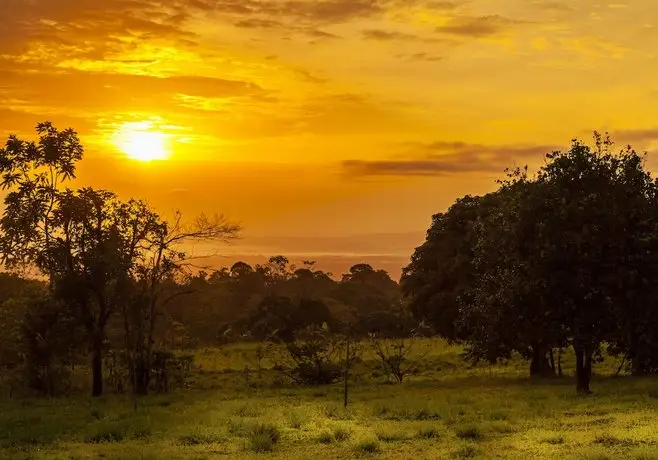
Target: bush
342,434
263,438
197,439
316,357
106,434
555,440
107,431
429,432
326,438
388,436
247,411
466,452
368,447
471,432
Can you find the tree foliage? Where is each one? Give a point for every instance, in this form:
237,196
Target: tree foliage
565,258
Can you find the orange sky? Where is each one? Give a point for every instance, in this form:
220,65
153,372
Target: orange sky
351,120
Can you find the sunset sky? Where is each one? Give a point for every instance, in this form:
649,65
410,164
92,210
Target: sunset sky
329,129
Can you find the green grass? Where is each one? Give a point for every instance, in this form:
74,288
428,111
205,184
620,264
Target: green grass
449,411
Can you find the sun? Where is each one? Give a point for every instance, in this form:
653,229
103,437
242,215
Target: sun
139,141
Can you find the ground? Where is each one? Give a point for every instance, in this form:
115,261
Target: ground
449,410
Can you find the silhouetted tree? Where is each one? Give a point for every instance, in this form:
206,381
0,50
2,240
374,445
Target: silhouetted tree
557,264
441,269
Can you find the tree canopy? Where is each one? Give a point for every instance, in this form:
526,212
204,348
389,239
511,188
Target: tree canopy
565,258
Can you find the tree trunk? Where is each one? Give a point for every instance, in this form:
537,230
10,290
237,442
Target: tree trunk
552,361
583,370
559,362
621,366
539,365
347,372
142,375
97,366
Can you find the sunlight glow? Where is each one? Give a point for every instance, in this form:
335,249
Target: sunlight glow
139,141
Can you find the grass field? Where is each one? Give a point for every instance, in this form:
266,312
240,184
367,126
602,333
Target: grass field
449,410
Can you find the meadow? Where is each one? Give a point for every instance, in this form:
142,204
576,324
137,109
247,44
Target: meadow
447,410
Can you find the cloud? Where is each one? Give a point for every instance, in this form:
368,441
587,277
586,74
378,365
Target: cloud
422,57
91,25
270,24
91,94
316,11
443,6
477,27
387,35
553,6
258,24
317,33
636,135
333,10
443,158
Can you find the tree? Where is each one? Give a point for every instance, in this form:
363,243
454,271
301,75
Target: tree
369,294
99,253
33,173
508,307
98,246
556,264
441,269
155,274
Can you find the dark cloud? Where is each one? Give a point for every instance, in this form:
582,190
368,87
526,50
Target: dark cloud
553,6
316,33
477,27
258,24
636,135
328,11
387,35
90,28
255,23
422,57
445,6
443,158
79,91
333,10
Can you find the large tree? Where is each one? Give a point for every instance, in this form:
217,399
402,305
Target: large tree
559,263
100,254
97,245
441,269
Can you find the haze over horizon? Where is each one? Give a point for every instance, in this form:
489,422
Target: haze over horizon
334,129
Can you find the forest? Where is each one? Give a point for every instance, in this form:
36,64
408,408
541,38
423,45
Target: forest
524,326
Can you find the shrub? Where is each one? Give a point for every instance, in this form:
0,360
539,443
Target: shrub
498,416
197,439
337,412
466,452
326,438
555,440
106,434
297,420
406,413
368,447
263,438
247,411
609,440
428,432
315,357
471,432
118,431
342,434
388,436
